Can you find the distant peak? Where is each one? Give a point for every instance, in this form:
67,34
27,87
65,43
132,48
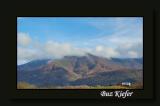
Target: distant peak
89,54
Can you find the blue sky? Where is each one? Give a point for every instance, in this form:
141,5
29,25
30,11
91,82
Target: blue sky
55,37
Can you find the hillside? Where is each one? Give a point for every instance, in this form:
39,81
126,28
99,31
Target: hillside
89,70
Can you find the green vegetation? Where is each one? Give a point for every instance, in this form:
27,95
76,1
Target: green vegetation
63,64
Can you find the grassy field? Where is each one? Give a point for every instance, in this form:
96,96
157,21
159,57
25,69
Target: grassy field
24,85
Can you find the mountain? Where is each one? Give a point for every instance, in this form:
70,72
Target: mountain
81,70
133,63
33,64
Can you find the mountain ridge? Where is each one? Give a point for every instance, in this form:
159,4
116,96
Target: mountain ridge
81,70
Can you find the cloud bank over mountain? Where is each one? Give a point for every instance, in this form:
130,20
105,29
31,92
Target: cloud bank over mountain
112,37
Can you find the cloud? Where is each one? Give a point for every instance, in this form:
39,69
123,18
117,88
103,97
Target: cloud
105,51
58,50
125,40
99,48
25,54
119,45
133,54
23,39
116,23
130,50
53,49
28,54
127,36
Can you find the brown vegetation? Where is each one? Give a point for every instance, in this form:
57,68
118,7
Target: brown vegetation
25,85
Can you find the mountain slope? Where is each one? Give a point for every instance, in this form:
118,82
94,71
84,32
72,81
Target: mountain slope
33,64
81,70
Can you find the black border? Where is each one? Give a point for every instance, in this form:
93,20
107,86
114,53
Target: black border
146,93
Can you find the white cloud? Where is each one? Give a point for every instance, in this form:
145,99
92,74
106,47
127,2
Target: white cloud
27,54
19,62
130,50
105,51
99,48
124,42
23,39
58,50
53,49
133,54
127,36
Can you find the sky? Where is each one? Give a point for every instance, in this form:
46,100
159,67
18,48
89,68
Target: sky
55,37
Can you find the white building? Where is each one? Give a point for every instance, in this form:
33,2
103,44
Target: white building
126,83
